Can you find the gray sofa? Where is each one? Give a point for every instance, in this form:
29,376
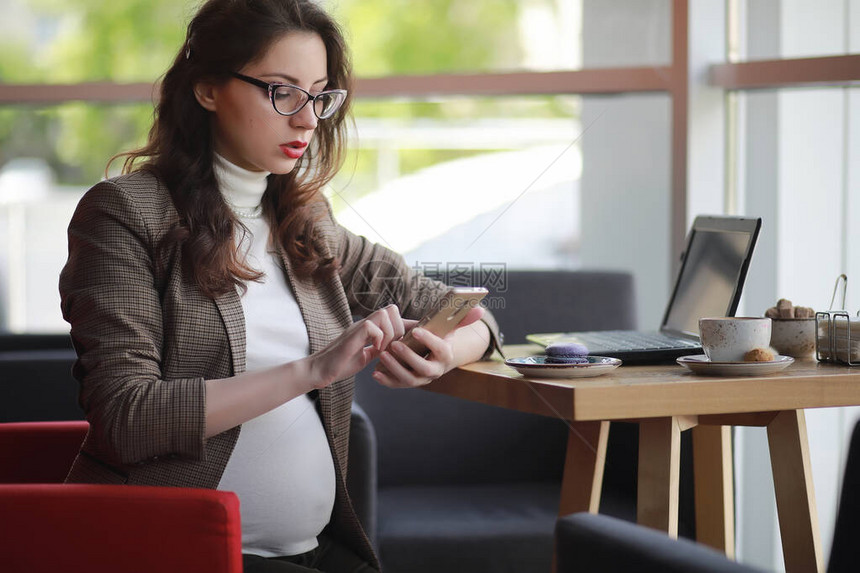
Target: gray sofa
468,487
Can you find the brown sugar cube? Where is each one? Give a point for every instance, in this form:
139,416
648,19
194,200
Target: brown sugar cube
758,355
786,310
772,312
803,312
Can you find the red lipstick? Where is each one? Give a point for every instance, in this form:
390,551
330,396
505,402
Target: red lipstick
294,149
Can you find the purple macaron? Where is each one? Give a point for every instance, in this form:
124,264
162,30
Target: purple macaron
566,353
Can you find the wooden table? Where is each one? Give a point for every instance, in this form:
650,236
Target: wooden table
666,400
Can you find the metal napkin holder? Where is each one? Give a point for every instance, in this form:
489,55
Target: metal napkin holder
830,344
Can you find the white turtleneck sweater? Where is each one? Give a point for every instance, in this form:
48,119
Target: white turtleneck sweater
281,468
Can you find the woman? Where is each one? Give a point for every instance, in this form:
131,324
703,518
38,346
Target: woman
210,292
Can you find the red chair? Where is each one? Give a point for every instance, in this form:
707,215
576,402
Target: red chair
39,452
50,526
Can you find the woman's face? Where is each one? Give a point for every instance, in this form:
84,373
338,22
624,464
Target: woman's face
248,131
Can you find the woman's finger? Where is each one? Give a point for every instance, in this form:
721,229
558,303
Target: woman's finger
368,354
439,349
372,333
420,366
385,379
396,370
396,321
380,319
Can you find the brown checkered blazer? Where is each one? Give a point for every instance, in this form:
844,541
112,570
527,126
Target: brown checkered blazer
146,340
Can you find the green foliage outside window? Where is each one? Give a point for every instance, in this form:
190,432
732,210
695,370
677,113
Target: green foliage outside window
135,41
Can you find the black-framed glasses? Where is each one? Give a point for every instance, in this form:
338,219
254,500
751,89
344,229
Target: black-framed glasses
288,99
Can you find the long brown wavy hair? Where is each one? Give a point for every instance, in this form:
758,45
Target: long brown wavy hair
223,37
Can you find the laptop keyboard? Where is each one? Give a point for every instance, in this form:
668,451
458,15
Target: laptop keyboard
632,340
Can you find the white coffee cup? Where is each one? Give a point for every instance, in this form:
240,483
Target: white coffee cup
728,339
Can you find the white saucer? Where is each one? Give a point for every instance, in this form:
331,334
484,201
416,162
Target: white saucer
700,364
538,367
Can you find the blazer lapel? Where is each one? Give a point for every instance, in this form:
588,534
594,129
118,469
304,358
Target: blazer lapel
303,290
230,308
321,308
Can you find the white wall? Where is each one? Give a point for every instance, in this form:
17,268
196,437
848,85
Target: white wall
625,194
626,179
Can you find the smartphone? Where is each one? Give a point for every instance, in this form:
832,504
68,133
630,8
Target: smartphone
446,315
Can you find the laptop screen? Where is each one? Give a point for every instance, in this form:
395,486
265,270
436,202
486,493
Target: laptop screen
712,272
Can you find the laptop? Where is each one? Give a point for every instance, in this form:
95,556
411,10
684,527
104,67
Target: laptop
709,283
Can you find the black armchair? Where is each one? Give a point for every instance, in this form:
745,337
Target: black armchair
586,542
589,542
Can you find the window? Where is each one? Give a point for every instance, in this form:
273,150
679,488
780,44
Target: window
50,156
466,179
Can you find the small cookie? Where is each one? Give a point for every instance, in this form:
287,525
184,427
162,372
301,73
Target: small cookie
567,349
759,355
566,353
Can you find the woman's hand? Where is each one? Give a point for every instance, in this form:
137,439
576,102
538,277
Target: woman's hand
357,346
403,368
237,399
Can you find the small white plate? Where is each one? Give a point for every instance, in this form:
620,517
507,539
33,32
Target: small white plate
538,367
700,364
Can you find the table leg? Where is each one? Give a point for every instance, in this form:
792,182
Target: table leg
584,462
583,467
659,467
795,496
714,485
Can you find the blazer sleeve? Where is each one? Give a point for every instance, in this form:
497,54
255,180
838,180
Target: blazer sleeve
109,296
375,276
